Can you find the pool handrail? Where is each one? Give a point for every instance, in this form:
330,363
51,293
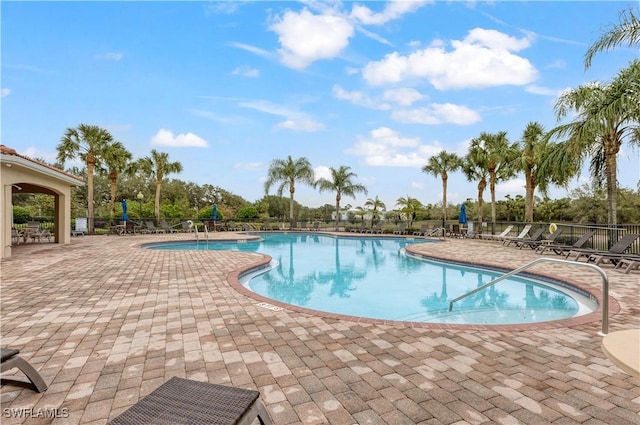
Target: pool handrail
605,286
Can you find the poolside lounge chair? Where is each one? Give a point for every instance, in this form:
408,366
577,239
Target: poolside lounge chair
402,229
152,227
246,227
11,359
535,242
423,229
377,229
316,226
614,253
507,240
168,229
360,229
627,264
500,235
187,226
184,401
266,225
562,249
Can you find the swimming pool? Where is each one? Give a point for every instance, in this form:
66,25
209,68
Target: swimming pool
373,278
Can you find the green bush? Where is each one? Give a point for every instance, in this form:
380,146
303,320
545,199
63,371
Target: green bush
248,213
21,215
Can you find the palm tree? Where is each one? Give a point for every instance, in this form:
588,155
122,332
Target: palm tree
287,172
410,206
87,142
605,116
375,205
533,148
627,32
342,183
499,155
439,166
476,168
157,166
116,159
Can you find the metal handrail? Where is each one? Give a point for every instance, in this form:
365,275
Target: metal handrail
605,285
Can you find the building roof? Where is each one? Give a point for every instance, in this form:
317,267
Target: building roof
10,157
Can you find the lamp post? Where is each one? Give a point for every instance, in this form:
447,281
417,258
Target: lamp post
140,197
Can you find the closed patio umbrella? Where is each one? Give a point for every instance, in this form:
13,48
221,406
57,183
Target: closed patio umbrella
462,218
125,217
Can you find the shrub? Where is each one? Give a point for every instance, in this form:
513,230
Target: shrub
21,215
248,213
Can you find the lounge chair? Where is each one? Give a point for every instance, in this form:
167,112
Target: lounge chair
316,226
246,227
507,240
627,264
423,229
377,229
614,253
187,226
184,401
152,227
562,249
168,229
537,240
360,229
500,235
402,229
11,359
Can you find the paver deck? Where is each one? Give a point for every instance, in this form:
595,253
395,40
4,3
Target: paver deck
107,322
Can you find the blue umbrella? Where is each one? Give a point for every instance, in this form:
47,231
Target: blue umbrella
214,212
125,217
462,218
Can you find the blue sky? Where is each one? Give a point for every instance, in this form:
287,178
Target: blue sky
226,87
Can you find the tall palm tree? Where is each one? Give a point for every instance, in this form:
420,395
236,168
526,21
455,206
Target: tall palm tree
287,172
532,149
87,142
439,166
410,206
626,32
157,166
476,168
604,117
375,205
499,156
342,183
116,160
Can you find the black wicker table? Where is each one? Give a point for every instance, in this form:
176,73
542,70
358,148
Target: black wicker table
183,401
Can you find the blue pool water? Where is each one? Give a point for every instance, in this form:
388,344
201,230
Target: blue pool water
373,278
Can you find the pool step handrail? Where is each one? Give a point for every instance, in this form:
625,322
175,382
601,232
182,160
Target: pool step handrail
605,285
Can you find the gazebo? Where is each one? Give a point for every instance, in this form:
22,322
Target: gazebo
21,174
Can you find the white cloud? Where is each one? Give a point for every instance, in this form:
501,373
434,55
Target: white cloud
358,98
249,166
112,56
403,96
246,71
301,124
252,49
511,187
322,172
306,38
438,113
5,92
166,138
385,147
483,59
544,91
392,10
294,120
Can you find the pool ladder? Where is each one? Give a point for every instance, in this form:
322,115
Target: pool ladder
605,285
206,233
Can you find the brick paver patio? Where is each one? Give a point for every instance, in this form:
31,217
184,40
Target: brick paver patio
107,322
